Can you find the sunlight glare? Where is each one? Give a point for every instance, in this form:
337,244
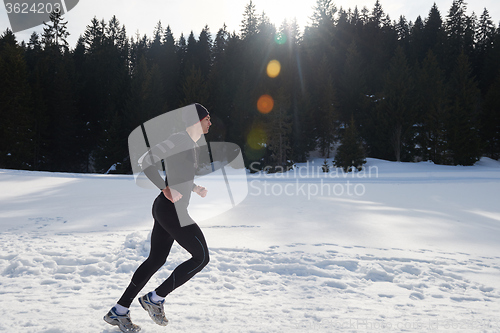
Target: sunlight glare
273,68
265,104
257,138
280,38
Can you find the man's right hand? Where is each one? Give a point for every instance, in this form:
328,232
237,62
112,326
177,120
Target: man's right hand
171,194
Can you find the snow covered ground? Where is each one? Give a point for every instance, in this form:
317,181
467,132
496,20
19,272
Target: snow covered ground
403,247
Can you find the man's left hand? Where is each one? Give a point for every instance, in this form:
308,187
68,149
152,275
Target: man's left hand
200,190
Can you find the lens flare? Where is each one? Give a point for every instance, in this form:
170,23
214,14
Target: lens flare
265,104
273,68
280,38
257,138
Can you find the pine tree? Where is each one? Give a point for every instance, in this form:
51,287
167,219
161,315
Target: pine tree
433,110
56,115
470,39
377,44
364,16
154,100
55,32
326,109
279,130
490,129
169,67
240,115
78,74
135,113
484,48
34,60
417,42
433,34
33,50
350,154
16,131
319,37
264,25
396,114
353,89
181,48
190,58
115,34
94,34
291,82
455,27
403,31
204,52
486,31
194,88
158,34
115,158
155,50
464,140
249,22
220,44
396,109
219,84
107,67
64,123
168,37
377,14
324,12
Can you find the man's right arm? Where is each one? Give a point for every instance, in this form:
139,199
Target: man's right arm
154,176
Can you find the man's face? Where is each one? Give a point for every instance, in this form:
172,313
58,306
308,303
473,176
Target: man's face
205,124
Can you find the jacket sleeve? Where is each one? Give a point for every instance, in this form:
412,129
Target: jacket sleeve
154,176
176,153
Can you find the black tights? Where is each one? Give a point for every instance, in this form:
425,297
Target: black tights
166,229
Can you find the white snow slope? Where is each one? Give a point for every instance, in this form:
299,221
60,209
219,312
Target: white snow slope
402,247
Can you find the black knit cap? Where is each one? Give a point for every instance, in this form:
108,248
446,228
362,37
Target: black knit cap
189,117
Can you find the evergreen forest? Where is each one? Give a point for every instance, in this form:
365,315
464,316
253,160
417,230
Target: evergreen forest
426,89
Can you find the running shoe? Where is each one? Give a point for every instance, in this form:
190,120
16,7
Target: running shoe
154,309
122,321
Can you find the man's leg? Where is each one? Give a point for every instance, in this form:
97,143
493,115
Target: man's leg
190,238
161,243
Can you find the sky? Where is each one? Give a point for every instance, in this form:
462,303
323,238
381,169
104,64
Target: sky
192,15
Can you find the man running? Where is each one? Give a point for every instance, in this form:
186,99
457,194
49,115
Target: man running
171,222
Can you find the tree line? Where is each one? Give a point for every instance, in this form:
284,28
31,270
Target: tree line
390,89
